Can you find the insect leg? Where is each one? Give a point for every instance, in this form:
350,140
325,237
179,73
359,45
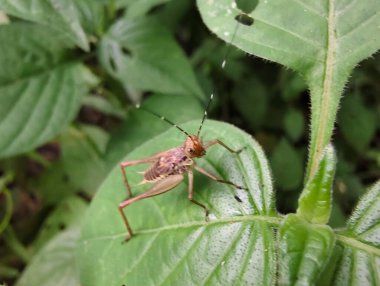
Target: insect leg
190,196
160,187
215,178
125,164
217,141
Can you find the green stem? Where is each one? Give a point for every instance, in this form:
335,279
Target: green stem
8,177
15,245
8,209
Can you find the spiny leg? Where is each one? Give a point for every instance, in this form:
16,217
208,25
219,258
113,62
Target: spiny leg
123,165
215,178
217,141
160,187
190,194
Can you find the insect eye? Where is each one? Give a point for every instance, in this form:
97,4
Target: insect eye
190,150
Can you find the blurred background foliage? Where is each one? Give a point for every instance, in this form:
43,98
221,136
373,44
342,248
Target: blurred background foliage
45,188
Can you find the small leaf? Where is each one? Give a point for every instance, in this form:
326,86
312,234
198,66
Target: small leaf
305,250
81,167
294,124
139,8
237,245
316,198
65,215
83,162
55,264
142,54
360,260
92,15
287,166
251,99
104,105
357,122
60,16
292,85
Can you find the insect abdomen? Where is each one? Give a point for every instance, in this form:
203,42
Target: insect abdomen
153,175
174,163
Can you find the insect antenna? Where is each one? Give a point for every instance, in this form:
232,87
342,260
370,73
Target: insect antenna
164,119
242,19
205,114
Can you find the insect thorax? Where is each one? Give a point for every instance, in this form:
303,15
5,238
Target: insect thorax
173,162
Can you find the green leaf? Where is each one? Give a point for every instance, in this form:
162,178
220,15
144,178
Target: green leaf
292,85
82,160
139,8
81,167
316,198
251,99
172,238
60,16
28,48
144,126
305,250
287,166
92,15
41,91
55,264
357,122
66,214
365,221
142,55
321,40
359,263
104,105
294,124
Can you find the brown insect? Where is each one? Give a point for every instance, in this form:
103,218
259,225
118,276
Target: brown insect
169,167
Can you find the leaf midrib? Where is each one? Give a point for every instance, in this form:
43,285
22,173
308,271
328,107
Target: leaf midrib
271,220
326,93
356,244
38,73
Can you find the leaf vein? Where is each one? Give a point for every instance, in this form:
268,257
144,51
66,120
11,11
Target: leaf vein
311,9
272,220
312,43
193,244
359,26
226,252
346,8
357,244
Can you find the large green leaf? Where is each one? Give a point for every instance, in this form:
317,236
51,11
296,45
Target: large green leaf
62,16
143,55
359,263
322,40
172,240
40,90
